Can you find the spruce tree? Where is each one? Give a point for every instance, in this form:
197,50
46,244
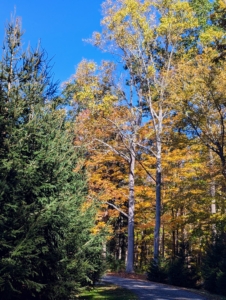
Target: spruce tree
46,245
214,264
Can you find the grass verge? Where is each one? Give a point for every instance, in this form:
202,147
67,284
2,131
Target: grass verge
107,292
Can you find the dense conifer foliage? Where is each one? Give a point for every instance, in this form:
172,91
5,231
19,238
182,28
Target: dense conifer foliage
46,245
214,265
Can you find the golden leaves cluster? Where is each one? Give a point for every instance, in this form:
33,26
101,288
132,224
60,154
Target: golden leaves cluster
91,81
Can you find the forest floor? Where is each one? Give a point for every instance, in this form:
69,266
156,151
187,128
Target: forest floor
143,277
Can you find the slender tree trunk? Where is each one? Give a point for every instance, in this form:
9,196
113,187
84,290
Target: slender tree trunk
130,254
163,241
173,239
212,184
212,191
173,244
158,201
120,251
177,241
104,250
142,252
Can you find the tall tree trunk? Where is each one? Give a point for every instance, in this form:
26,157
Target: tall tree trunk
163,241
212,191
158,202
212,184
173,244
130,253
177,241
173,238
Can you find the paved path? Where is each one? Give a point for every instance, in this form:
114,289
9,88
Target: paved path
146,290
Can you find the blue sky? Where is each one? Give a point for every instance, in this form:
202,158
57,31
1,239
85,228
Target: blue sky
60,25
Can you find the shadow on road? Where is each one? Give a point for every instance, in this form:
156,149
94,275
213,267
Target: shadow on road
152,291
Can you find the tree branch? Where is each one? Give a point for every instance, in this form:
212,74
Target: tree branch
118,209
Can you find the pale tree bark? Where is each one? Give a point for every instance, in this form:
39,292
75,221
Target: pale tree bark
130,258
212,190
158,209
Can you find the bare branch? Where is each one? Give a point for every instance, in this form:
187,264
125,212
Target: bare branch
145,169
114,150
117,208
147,149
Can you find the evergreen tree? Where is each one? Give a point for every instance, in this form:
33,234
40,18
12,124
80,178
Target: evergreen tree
46,245
214,265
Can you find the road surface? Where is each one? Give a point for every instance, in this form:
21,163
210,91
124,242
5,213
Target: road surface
146,290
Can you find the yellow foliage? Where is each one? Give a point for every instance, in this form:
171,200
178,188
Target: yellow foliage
212,35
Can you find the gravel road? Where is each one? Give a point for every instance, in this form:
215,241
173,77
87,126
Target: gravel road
146,290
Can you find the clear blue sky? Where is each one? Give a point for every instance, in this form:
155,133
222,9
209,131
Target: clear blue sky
60,25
